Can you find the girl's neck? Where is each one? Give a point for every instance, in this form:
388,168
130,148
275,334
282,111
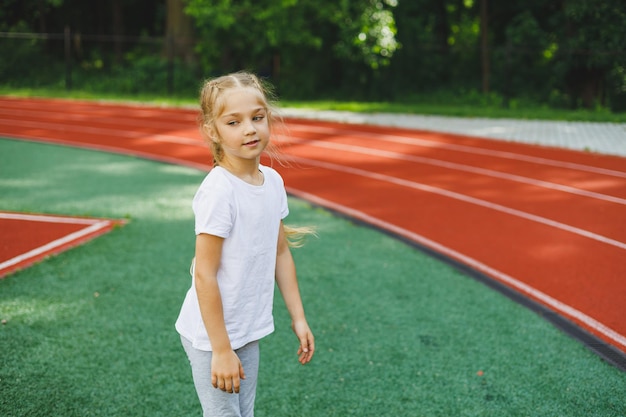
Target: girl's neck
247,171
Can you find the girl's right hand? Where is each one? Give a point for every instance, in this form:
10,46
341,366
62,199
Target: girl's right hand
307,341
226,371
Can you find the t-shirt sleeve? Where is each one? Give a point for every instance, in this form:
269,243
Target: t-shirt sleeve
284,207
284,210
213,210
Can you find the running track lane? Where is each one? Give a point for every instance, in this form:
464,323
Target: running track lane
25,239
547,223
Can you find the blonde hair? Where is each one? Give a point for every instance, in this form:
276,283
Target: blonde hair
212,105
297,235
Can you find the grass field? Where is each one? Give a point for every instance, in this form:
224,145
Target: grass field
90,332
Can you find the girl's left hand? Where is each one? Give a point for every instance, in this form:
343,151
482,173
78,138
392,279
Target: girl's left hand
307,341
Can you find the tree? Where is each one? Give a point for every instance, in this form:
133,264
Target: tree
179,39
593,35
312,42
564,52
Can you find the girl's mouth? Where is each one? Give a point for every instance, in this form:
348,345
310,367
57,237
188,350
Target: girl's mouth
251,143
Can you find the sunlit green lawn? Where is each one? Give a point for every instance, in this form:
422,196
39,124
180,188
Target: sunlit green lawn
444,104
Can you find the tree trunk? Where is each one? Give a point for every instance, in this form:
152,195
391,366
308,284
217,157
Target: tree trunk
178,32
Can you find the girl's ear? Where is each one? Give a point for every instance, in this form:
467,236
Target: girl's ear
210,132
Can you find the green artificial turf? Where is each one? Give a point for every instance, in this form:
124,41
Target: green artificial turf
90,332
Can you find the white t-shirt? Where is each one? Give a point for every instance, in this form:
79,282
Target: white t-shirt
248,218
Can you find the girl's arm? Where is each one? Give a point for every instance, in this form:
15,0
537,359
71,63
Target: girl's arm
288,285
226,369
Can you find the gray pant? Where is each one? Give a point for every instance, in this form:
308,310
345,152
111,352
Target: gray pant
215,402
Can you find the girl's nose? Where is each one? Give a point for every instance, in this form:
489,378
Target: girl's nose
249,128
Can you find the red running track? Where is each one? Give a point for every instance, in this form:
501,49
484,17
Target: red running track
547,223
28,238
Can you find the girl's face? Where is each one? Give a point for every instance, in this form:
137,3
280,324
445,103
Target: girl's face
242,128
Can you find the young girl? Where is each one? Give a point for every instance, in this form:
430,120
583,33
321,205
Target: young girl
241,250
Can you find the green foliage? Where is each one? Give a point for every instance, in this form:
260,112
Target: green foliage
617,93
525,68
597,28
593,37
367,37
282,39
22,58
137,74
566,55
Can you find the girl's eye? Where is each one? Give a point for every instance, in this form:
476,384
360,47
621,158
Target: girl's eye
257,118
232,123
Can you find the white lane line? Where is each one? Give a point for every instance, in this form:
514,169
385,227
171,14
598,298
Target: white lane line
460,148
129,118
501,276
102,131
331,131
545,298
94,108
379,137
460,167
55,244
46,218
465,198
